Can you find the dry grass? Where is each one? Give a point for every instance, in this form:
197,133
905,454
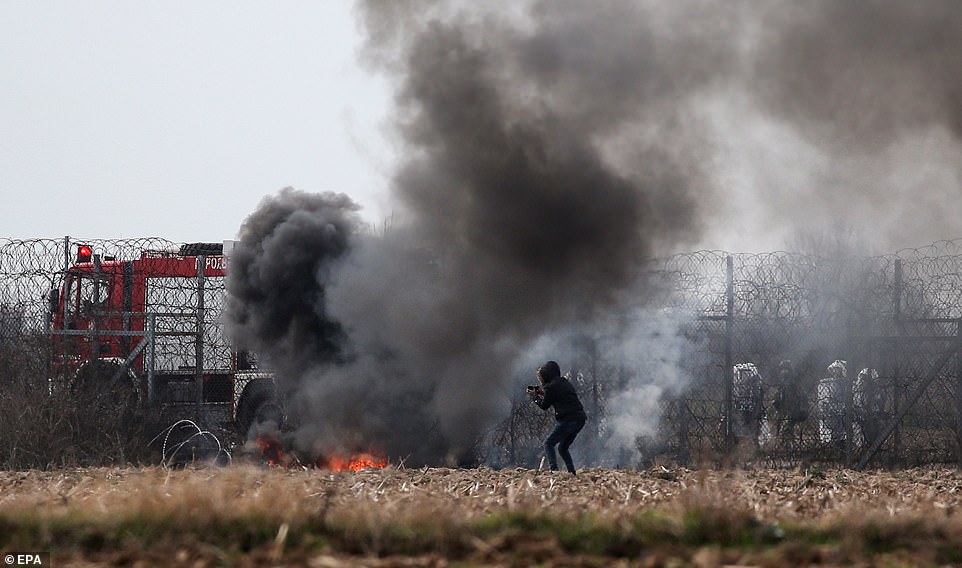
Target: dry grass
243,515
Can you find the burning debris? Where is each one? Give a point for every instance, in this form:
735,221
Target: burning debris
354,462
270,449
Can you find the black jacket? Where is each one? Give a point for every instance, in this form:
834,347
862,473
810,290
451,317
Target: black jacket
561,394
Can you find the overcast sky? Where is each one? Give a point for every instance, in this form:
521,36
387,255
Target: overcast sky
174,119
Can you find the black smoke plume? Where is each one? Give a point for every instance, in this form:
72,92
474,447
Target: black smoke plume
285,254
548,150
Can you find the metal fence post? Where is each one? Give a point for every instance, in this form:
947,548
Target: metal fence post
66,253
151,357
66,267
199,341
95,312
848,391
729,358
958,396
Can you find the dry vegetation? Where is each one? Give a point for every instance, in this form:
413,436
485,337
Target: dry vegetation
245,515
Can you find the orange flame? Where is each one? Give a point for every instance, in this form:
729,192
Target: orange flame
271,451
355,462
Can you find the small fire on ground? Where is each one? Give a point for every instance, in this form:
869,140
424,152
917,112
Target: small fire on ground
272,452
273,455
355,462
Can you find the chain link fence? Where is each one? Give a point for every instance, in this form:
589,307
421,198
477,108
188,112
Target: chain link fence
74,367
748,379
756,380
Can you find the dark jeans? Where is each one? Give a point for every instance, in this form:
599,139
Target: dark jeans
564,433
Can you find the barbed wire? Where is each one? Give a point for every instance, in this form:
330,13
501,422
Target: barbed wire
802,288
773,283
31,268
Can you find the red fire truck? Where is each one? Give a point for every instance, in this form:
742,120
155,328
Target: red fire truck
150,332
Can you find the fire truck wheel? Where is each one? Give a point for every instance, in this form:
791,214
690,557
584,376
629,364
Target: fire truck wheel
107,389
258,404
106,376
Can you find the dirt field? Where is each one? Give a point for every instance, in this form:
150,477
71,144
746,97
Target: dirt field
246,515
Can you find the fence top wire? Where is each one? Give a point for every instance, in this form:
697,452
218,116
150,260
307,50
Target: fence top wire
30,268
791,287
801,288
31,257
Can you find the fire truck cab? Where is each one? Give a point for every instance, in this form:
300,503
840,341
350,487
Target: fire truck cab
155,323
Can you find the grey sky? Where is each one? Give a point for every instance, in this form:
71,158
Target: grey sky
174,119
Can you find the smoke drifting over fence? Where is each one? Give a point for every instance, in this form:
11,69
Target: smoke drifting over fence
752,121
549,151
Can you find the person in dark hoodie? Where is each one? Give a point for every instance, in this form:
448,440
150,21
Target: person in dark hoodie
569,414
